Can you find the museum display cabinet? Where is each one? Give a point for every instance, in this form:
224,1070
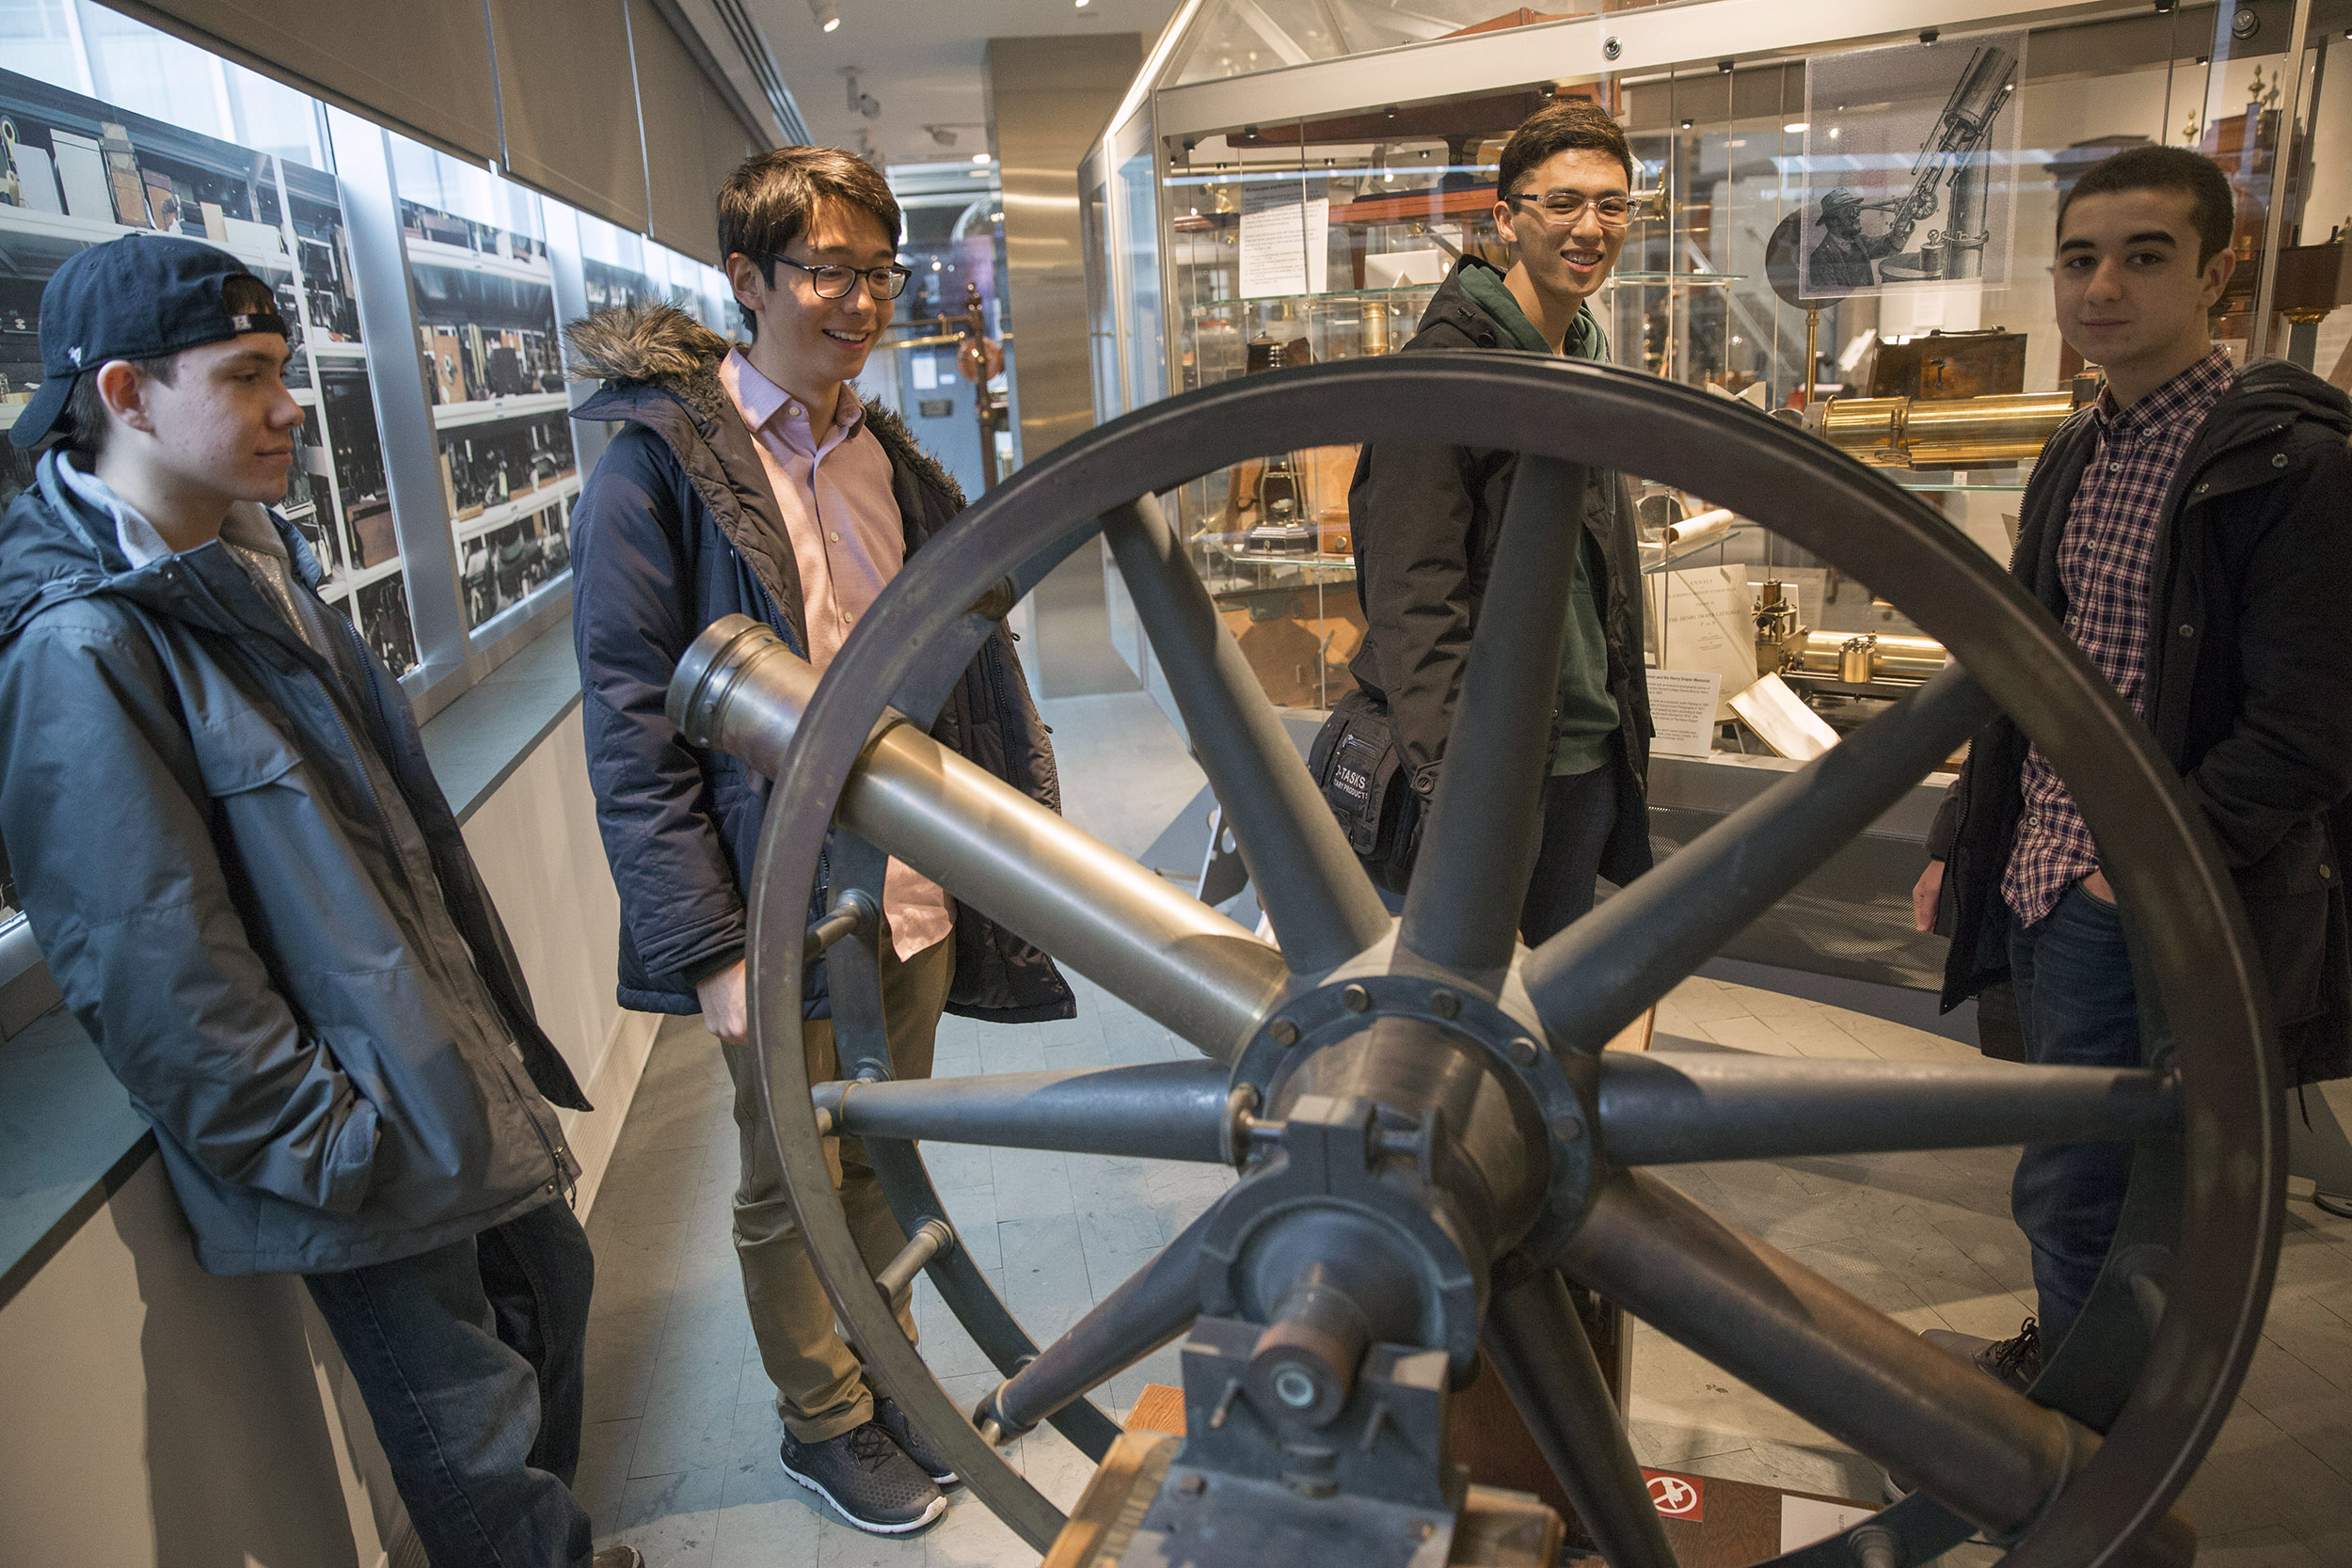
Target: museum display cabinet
80,172
1284,185
437,456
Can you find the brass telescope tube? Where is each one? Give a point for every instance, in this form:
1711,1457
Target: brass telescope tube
739,689
1926,432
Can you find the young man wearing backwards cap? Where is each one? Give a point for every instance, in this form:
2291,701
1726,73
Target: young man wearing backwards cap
255,899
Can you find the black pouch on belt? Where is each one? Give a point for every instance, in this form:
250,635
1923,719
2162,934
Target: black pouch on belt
1359,768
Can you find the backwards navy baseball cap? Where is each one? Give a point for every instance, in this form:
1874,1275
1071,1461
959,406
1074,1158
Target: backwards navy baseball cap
139,297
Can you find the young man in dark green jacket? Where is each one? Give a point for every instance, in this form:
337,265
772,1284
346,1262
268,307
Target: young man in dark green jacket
1426,518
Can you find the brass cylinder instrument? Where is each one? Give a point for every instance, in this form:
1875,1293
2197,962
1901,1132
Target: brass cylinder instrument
1891,657
1954,433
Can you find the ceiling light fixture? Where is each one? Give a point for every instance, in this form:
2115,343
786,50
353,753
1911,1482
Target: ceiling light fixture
979,157
1796,127
828,15
861,102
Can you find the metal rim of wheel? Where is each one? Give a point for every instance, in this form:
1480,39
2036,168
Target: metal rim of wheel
2178,1311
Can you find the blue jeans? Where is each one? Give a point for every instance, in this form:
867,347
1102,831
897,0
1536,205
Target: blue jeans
471,1358
2076,1005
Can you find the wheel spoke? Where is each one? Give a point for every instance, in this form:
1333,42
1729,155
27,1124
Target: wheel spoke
1154,1111
1151,1307
1540,1350
1986,1453
1462,911
1598,975
1670,1107
1324,907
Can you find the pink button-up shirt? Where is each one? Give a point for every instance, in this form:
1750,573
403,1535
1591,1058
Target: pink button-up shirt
848,539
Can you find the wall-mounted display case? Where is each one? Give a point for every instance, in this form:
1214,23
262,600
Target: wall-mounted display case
282,219
435,492
494,370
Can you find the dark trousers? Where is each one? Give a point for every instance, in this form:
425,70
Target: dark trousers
2076,1005
1580,813
471,1360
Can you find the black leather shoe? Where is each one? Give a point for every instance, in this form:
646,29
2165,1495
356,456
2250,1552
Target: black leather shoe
869,1479
892,1418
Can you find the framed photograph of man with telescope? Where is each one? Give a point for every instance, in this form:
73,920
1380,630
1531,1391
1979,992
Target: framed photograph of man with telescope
1911,163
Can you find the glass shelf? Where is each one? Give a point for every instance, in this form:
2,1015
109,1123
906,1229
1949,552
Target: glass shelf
1698,279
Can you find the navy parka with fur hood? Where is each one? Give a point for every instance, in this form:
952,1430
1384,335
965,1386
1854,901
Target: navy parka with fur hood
677,528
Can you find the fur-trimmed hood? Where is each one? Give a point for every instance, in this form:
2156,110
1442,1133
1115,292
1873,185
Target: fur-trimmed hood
661,346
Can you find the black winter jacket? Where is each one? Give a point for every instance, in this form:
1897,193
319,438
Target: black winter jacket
673,532
256,900
2248,689
1424,520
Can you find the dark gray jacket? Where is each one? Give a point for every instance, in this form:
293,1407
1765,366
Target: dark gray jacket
677,528
2249,692
256,902
1424,519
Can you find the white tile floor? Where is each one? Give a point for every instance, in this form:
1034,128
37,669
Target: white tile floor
682,1431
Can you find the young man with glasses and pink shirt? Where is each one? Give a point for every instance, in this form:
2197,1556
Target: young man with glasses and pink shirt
1424,520
755,480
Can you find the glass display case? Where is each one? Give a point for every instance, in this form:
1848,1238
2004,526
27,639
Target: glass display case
485,325
1285,185
1850,229
78,171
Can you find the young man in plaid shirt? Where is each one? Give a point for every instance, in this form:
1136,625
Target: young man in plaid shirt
2193,532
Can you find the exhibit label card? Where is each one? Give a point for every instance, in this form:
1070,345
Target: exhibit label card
1705,620
1285,237
1782,722
1682,705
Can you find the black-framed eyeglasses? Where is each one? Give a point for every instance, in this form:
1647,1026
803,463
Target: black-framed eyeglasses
833,282
1563,207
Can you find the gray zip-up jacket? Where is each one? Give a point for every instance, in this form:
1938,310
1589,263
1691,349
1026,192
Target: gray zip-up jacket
256,900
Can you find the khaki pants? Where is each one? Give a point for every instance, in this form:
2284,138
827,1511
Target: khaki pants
820,1389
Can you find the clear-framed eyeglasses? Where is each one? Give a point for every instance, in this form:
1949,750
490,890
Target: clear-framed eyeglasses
1562,208
834,282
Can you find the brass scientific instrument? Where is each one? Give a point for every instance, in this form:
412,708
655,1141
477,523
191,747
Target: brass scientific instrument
1946,433
1895,663
1777,633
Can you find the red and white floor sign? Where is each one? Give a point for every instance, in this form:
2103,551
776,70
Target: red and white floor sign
1678,1497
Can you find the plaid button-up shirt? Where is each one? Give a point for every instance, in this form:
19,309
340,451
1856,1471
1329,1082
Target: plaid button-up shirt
2104,557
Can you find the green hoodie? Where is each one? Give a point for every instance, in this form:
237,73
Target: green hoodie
1588,714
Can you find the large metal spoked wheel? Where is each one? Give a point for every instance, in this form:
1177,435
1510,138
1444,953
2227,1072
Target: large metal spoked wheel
1427,1131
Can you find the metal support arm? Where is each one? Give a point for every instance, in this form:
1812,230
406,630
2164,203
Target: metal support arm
1597,975
1677,1107
1154,1111
1987,1453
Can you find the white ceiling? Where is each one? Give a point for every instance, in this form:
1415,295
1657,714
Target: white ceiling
922,60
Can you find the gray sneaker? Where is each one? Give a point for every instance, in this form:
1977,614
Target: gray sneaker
892,1418
869,1479
2016,1361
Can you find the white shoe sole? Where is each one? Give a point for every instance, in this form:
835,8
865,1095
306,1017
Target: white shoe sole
871,1527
